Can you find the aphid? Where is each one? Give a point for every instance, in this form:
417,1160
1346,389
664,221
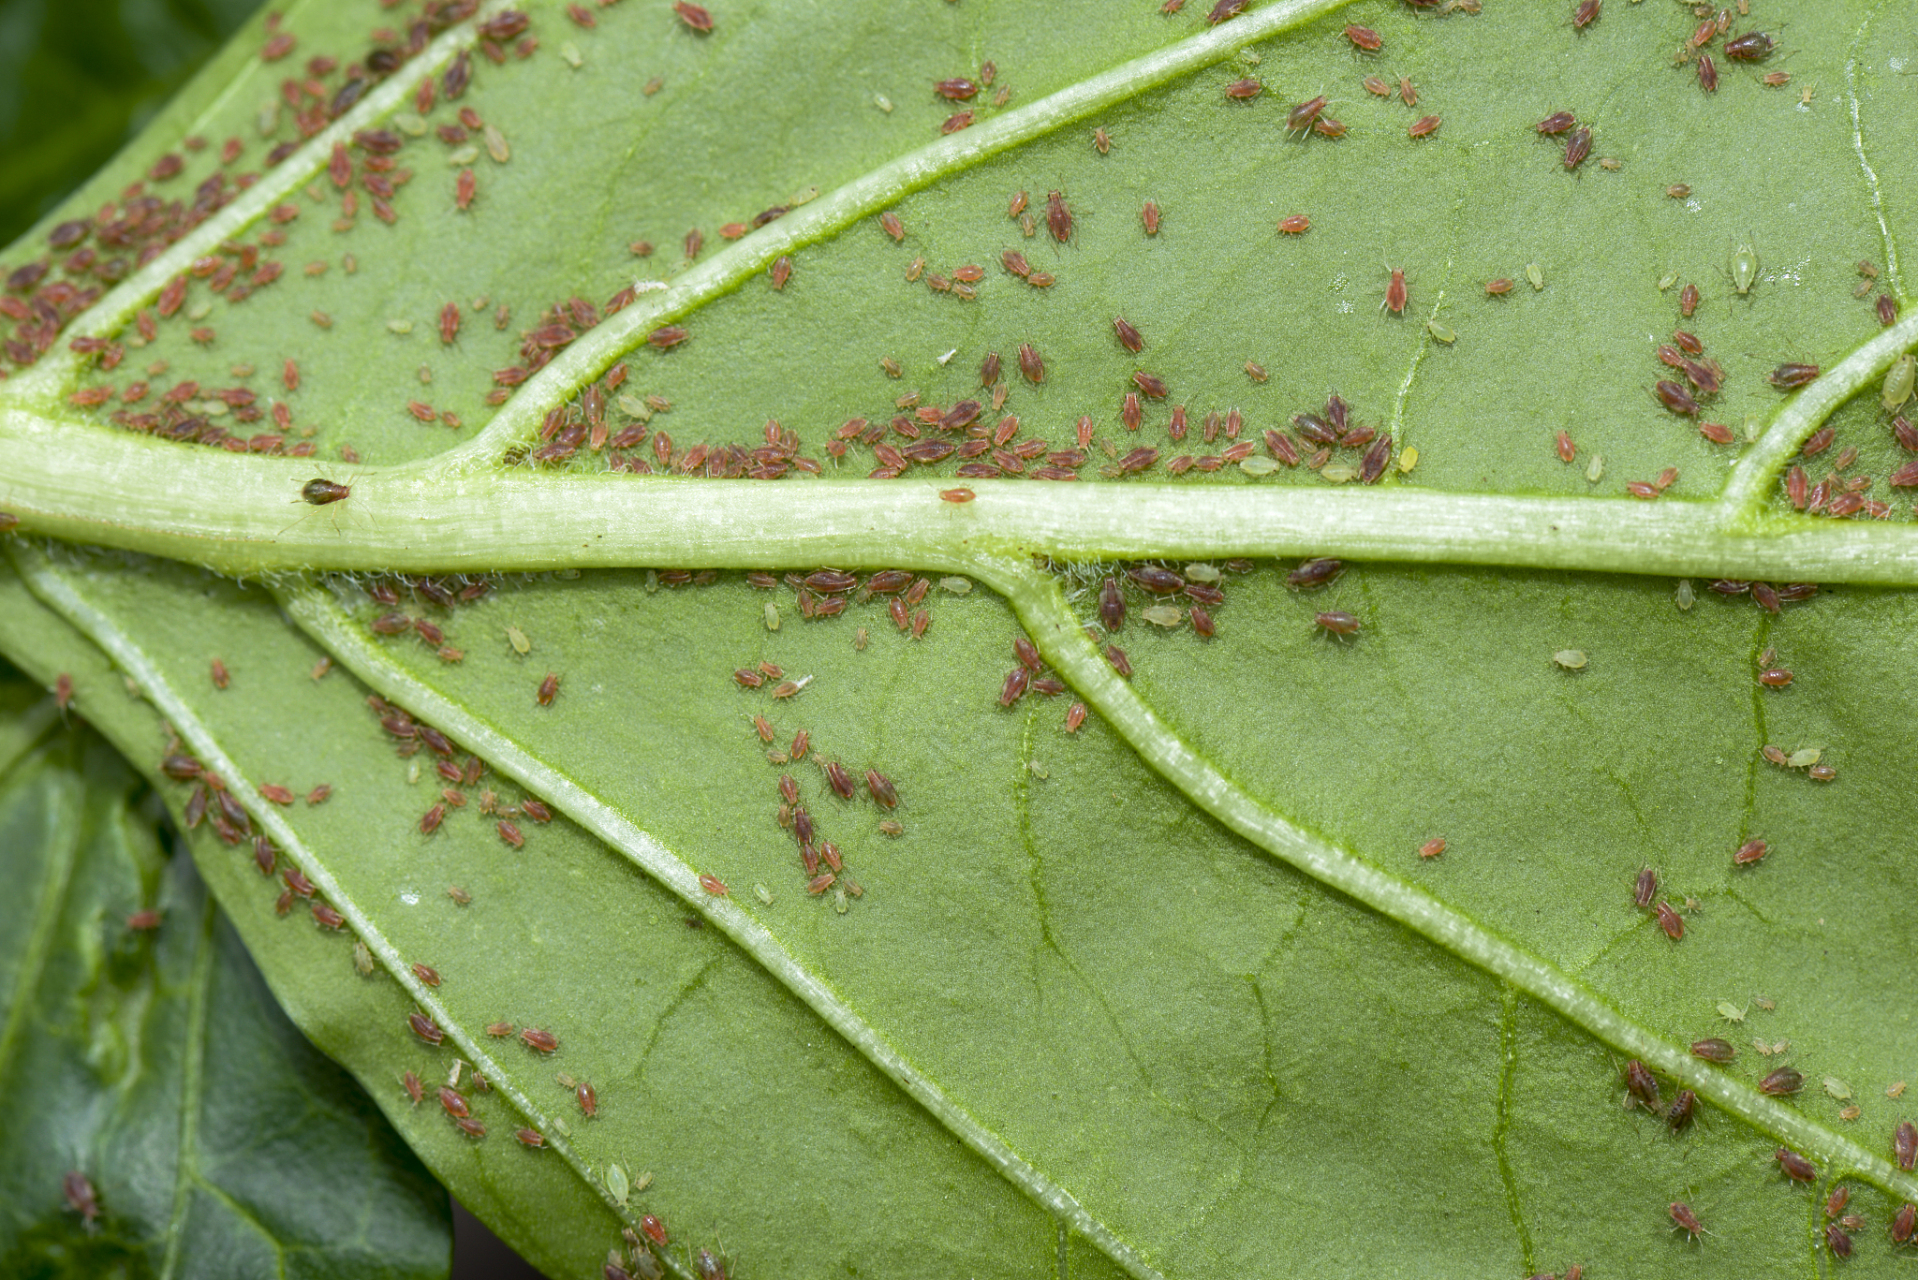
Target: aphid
1775,677
883,792
1030,364
840,781
1707,73
1821,773
956,90
458,895
959,496
1567,451
544,1041
1780,1083
1423,127
1903,1224
1149,215
1432,848
1018,680
1336,623
530,1137
1128,336
1679,191
425,1028
321,492
1683,1106
1788,376
81,1197
1586,14
1714,1050
1407,94
1150,384
1796,1167
1750,853
1675,398
1646,888
782,270
455,1104
548,690
654,1229
1112,607
511,834
1687,1220
1225,9
1765,597
1102,141
1296,224
1887,310
1641,1084
1670,921
1058,217
1244,90
1395,293
1498,288
1364,38
1688,300
1753,46
1835,1203
1017,205
1837,1241
1577,147
1899,380
471,1127
1120,663
426,973
1571,659
1075,716
1904,1145
1556,123
536,810
694,16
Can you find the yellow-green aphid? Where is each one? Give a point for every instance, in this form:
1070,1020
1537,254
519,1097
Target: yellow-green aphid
1898,381
1684,596
1744,268
1535,274
1440,333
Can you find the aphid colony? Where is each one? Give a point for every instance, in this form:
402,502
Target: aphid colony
442,594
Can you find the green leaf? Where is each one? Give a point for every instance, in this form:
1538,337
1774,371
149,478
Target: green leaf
162,1115
1172,995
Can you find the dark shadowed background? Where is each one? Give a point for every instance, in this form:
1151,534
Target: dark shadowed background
78,78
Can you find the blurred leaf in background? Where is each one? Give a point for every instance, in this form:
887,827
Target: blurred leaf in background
78,78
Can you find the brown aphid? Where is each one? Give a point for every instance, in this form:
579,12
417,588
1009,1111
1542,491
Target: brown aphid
1112,606
1775,677
1314,573
1301,116
431,819
1707,73
414,1089
544,1041
1821,773
1789,376
840,781
1904,1223
883,792
530,1137
782,270
1688,300
1586,14
588,1100
1795,1166
1682,1109
957,496
1835,1202
1556,123
890,224
511,834
1904,1145
458,895
1296,224
694,16
1017,681
454,1103
1377,88
1687,1220
1577,147
1753,46
1750,853
1030,363
1407,94
1128,336
536,810
548,690
1153,386
1423,127
1675,398
1058,217
1149,215
1075,716
1679,191
1645,888
425,1028
1781,1083
956,90
220,677
1101,141
1432,848
426,973
1567,451
1713,1050
1498,288
1244,90
471,1127
1120,663
1641,1083
1336,623
1670,921
1396,295
1838,1242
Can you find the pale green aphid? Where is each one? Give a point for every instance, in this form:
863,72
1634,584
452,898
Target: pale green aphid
1570,659
1596,471
1441,332
1684,597
616,1185
1898,381
1163,615
1535,274
1202,573
1730,1012
772,616
1744,268
1804,758
764,894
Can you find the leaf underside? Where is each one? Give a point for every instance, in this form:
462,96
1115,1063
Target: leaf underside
1147,1028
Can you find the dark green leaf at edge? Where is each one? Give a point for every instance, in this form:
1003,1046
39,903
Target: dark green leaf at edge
157,1064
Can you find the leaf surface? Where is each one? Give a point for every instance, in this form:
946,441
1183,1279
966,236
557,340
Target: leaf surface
1175,993
150,1061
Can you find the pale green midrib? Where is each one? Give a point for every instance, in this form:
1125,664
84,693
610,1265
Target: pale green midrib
1041,608
124,491
192,1073
52,588
316,613
596,350
49,906
54,371
1745,494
